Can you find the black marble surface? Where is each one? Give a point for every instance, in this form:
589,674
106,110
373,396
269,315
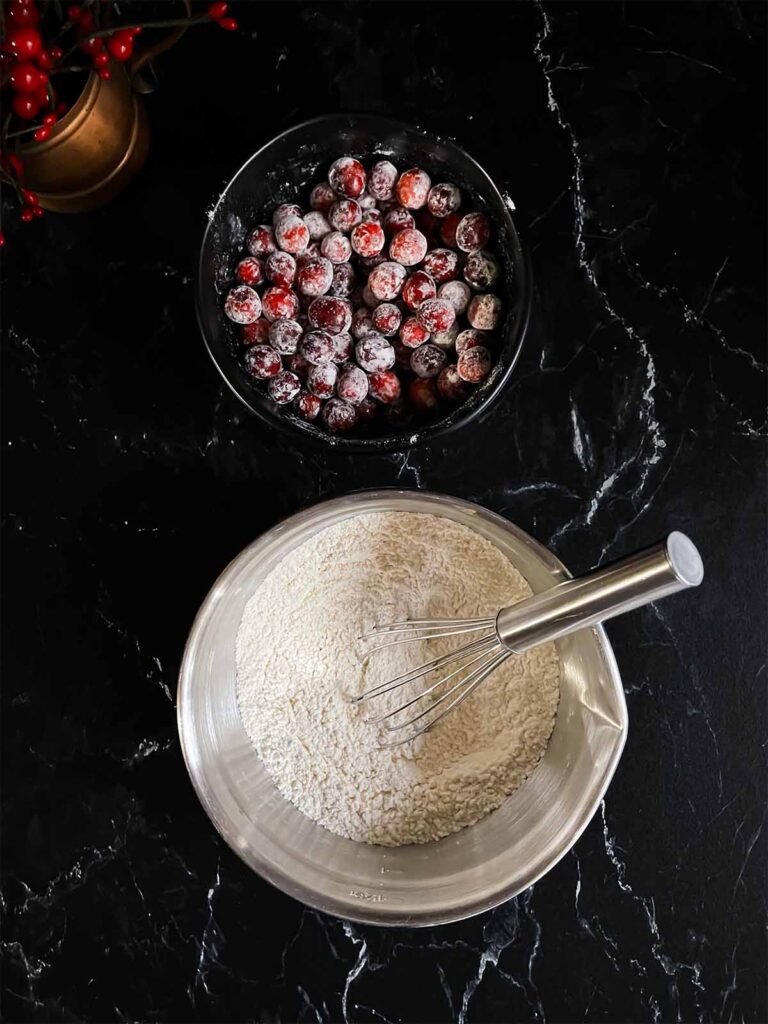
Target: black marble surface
630,136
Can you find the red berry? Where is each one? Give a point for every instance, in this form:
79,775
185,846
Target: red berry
436,314
422,393
469,339
322,197
2,239
120,46
284,335
317,225
450,385
61,108
474,364
321,379
105,74
21,15
283,387
443,199
344,215
308,406
242,305
382,180
336,247
481,270
352,385
408,247
92,46
256,333
26,77
413,333
24,42
25,107
384,385
327,313
292,234
398,219
286,210
368,239
402,354
445,339
45,60
387,318
362,323
387,280
228,24
457,293
428,360
484,312
249,271
366,410
315,277
14,162
41,95
342,347
217,10
261,241
417,289
339,416
413,188
280,269
343,280
280,302
49,120
442,264
298,364
473,232
74,13
30,198
347,177
374,352
56,53
262,362
317,347
26,214
448,229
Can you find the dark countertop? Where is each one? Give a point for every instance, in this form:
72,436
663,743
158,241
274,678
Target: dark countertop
630,137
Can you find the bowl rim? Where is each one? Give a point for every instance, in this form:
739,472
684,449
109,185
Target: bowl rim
405,439
380,914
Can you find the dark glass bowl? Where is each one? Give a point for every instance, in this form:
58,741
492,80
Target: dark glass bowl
284,170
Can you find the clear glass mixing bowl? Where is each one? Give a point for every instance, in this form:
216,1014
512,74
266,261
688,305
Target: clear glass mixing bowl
434,883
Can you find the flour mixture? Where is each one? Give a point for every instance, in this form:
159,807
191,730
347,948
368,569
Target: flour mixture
298,660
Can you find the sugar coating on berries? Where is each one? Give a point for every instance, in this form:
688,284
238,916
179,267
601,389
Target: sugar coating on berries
280,269
284,387
321,379
428,360
292,234
473,232
419,287
445,339
484,312
374,352
382,180
344,280
262,362
387,318
362,323
413,333
369,263
397,218
373,216
413,188
286,210
242,304
339,416
457,293
347,177
436,314
367,239
343,346
442,265
317,225
352,385
443,199
386,280
336,247
450,386
474,364
261,241
308,406
408,247
481,270
284,335
280,302
470,338
298,364
328,313
384,386
322,197
344,215
448,229
250,271
422,393
315,277
317,347
256,333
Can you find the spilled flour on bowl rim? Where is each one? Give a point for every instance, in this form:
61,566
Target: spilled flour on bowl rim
298,661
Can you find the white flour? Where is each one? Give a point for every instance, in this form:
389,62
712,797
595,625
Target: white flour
297,658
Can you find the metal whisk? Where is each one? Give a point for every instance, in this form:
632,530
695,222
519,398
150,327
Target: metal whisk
665,568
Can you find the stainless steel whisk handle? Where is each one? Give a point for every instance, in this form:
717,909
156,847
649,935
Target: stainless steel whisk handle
656,572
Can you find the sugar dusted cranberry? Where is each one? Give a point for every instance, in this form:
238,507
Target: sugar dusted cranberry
284,335
366,411
386,280
344,215
322,197
442,264
473,232
413,333
344,280
308,406
250,271
413,188
481,270
317,225
339,416
280,302
373,216
382,180
317,347
368,239
457,293
374,353
284,387
484,312
422,393
384,385
397,218
280,269
362,323
417,289
315,277
261,241
469,339
310,253
474,364
328,313
387,318
286,210
369,262
448,229
436,314
367,204
256,333
262,362
445,339
450,385
428,360
242,304
367,296
347,177
336,247
443,199
343,346
321,379
298,364
352,385
292,234
408,247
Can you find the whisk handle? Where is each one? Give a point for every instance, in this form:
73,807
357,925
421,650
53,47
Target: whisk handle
656,572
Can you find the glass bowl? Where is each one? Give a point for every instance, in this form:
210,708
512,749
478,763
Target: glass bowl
465,873
283,171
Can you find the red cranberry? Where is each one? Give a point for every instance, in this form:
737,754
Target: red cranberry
442,264
413,188
284,335
256,333
374,353
473,232
242,304
284,387
428,360
386,281
322,197
457,293
308,406
281,269
398,219
261,241
387,318
436,314
445,339
315,277
286,210
382,179
448,229
481,270
484,312
250,271
474,364
368,263
347,177
344,281
292,234
310,253
366,410
352,385
469,339
280,302
317,347
317,225
263,362
330,314
298,364
451,386
367,296
336,248
362,323
342,347
443,199
417,289
408,247
321,380
367,204
339,416
384,385
344,215
368,239
373,216
422,393
413,333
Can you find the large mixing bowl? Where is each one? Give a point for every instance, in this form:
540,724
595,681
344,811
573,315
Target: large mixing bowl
463,874
283,171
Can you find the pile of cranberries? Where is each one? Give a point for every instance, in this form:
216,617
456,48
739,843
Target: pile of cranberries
375,303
